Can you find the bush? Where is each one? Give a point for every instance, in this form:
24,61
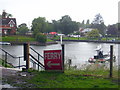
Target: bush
41,38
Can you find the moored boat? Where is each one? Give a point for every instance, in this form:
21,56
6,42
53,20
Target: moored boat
100,57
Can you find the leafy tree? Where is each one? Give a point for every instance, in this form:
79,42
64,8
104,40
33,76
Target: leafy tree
50,27
23,29
88,21
67,25
98,23
56,25
98,19
39,25
88,25
4,14
9,15
93,34
112,30
41,38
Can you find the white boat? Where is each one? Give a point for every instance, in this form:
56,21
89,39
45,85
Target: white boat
100,57
4,43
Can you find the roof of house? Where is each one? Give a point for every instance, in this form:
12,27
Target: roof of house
6,21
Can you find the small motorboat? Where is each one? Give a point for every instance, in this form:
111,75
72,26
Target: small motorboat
100,57
5,43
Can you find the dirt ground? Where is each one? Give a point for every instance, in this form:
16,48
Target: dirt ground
15,77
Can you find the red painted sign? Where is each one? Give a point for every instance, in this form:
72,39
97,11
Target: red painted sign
53,60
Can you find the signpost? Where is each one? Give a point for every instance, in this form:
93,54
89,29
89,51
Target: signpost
53,60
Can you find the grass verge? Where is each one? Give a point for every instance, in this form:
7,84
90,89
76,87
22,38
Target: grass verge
68,79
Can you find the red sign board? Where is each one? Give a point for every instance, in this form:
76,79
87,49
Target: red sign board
53,60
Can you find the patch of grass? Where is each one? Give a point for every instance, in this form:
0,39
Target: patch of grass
17,38
49,40
68,79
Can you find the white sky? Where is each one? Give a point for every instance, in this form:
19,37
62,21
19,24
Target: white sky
26,10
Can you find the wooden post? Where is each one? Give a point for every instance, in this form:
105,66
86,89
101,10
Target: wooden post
111,60
26,55
63,53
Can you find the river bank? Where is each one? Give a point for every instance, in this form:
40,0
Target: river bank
32,43
95,41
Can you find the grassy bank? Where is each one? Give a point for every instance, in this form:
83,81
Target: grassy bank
69,79
85,38
90,77
16,38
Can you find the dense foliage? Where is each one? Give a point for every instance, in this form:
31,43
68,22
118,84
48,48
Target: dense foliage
41,38
22,29
66,26
93,34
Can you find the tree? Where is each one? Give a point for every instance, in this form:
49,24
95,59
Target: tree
50,27
6,15
93,34
112,30
67,26
88,21
41,37
39,25
98,23
56,25
9,15
23,29
88,24
98,19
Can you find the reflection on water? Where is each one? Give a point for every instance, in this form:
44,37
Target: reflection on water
79,52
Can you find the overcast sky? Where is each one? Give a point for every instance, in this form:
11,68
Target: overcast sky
26,10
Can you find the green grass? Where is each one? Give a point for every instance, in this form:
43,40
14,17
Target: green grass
83,38
69,79
20,39
17,38
49,40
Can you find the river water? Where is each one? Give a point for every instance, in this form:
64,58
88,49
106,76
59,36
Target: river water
78,52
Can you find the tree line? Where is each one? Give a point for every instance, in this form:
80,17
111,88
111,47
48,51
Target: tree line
66,25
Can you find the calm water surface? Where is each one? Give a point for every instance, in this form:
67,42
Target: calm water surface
79,52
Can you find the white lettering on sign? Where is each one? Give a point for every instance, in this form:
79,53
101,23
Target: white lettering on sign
52,55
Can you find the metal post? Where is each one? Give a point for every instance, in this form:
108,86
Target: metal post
19,62
38,60
26,55
111,60
5,59
63,53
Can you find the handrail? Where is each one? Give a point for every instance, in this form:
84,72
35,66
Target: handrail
36,52
6,53
36,63
36,60
10,54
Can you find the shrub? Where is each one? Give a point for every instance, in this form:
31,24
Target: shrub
41,38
